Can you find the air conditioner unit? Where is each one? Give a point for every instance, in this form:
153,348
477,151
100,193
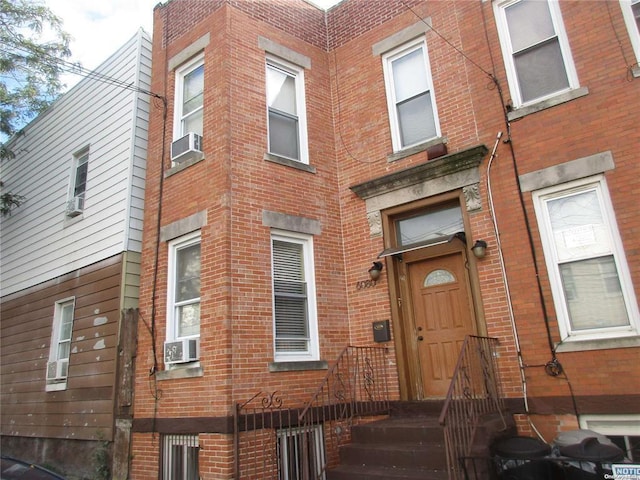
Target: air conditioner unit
58,370
186,148
75,206
182,351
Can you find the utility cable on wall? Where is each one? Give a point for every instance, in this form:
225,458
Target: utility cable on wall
77,69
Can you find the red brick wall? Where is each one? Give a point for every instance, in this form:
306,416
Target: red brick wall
349,141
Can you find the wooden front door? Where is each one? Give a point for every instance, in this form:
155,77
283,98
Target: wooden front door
442,313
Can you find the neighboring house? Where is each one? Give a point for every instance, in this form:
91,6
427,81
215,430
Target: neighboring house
300,146
70,270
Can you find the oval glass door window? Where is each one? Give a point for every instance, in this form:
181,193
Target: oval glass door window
439,277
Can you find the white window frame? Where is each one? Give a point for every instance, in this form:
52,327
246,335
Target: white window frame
187,442
290,440
312,351
387,62
612,425
632,27
301,108
79,158
174,246
507,53
59,382
597,184
180,75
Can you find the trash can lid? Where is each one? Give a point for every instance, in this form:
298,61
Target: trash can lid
571,437
592,450
521,448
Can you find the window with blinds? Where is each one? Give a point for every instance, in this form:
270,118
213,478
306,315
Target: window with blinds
293,297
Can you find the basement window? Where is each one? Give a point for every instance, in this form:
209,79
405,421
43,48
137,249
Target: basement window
623,430
299,449
180,457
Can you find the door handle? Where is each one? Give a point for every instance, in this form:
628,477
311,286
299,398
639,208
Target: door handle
420,338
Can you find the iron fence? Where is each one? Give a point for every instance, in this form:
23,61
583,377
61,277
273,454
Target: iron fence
277,441
474,392
281,442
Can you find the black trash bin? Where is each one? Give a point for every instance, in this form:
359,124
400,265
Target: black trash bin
523,458
590,459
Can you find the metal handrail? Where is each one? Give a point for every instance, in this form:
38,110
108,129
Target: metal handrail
356,385
474,393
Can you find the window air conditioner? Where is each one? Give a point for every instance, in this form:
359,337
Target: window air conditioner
182,351
57,370
75,206
186,148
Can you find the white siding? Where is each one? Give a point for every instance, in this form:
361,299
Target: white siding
39,242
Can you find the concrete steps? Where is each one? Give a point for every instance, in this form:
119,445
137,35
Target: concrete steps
407,445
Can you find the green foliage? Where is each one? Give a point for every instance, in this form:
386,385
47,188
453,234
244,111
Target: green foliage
32,45
32,49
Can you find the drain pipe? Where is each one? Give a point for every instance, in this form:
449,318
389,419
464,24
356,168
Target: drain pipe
506,287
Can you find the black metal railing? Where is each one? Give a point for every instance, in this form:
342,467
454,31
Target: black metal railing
276,441
474,392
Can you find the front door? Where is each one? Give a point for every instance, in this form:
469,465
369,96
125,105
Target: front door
442,314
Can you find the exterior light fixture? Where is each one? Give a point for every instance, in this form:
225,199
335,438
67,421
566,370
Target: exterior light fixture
479,248
374,272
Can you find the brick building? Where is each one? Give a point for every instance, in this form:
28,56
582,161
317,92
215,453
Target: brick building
299,146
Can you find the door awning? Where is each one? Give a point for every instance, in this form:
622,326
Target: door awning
387,252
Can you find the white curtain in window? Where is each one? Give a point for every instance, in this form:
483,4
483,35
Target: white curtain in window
283,117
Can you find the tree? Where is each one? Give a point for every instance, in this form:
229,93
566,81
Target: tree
33,47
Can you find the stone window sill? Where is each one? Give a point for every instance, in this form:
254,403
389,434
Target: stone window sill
189,371
298,366
287,162
599,344
407,152
178,167
520,112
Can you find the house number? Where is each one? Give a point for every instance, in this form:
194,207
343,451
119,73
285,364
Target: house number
365,284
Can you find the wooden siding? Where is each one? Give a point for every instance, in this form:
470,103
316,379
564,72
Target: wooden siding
39,242
85,409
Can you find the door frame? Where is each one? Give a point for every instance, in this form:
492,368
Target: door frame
409,373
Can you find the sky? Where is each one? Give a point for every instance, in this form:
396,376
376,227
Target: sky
99,28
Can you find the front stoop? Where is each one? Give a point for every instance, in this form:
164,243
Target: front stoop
409,444
403,446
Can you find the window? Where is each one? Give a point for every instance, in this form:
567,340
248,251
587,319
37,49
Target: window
183,305
78,183
433,225
291,446
60,349
180,457
189,98
622,430
590,280
535,49
294,304
631,13
412,106
286,110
